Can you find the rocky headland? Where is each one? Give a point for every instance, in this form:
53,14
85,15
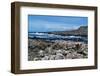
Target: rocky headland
81,31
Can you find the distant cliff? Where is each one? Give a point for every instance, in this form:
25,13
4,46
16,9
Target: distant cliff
81,31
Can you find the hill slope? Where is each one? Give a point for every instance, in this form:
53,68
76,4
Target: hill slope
81,31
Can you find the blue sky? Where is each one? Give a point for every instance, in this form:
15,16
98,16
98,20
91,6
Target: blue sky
42,23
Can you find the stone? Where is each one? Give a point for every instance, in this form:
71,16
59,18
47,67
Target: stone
41,53
59,56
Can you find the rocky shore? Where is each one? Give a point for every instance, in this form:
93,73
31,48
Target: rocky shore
54,50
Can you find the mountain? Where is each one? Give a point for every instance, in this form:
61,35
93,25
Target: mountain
81,31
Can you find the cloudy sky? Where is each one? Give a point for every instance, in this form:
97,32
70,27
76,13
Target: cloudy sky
40,23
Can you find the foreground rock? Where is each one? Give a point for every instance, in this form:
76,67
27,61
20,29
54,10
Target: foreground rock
59,49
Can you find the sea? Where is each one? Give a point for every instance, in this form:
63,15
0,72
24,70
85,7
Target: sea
52,37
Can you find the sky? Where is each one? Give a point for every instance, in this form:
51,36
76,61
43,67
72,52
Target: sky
43,23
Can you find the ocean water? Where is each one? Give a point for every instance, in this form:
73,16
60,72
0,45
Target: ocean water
51,37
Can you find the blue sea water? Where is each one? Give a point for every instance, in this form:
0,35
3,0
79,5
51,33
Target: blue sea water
46,36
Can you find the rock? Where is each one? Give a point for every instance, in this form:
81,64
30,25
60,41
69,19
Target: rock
36,59
71,55
79,56
59,56
41,53
58,49
52,57
85,52
45,58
